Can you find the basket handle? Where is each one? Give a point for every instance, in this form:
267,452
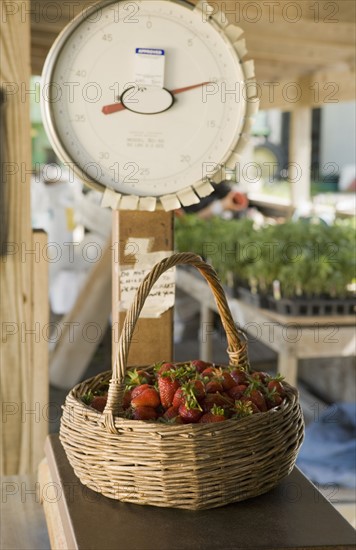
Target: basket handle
237,346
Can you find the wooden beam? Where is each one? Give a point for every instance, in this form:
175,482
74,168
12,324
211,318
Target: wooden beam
153,338
286,40
314,90
297,52
341,10
40,383
306,31
315,10
18,373
300,155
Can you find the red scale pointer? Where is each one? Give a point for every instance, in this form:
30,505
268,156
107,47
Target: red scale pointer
117,107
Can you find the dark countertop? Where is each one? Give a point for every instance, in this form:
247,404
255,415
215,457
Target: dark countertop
294,515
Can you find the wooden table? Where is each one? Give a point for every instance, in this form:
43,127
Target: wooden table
293,338
294,515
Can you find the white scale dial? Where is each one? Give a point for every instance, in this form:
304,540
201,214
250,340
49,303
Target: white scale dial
132,138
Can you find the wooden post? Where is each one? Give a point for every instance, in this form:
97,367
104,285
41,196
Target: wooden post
153,338
24,387
39,367
300,155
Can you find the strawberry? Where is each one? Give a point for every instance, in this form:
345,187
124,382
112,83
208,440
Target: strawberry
218,399
144,413
126,402
170,413
190,410
239,375
209,372
139,389
213,386
171,420
193,390
273,398
244,408
275,383
216,414
99,402
251,405
256,397
189,415
198,388
149,397
237,391
167,388
260,376
178,398
227,381
161,368
200,365
137,377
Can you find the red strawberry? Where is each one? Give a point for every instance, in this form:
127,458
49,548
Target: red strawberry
273,398
144,413
216,414
193,391
170,413
189,415
172,420
136,377
276,385
213,386
198,388
190,410
200,365
244,408
218,399
227,381
147,398
237,391
99,402
139,389
126,402
178,398
209,372
239,375
256,397
164,368
250,404
260,376
167,388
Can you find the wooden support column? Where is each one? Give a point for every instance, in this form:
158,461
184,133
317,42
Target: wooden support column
300,144
153,338
23,271
39,390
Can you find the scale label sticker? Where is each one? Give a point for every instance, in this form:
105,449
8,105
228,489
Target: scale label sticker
162,295
149,67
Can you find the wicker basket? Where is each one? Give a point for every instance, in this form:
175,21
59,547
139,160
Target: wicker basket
193,466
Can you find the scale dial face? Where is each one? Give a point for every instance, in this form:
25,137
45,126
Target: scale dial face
115,125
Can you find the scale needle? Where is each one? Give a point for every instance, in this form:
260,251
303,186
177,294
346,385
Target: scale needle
117,107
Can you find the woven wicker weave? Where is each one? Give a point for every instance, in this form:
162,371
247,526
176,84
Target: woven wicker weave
191,466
